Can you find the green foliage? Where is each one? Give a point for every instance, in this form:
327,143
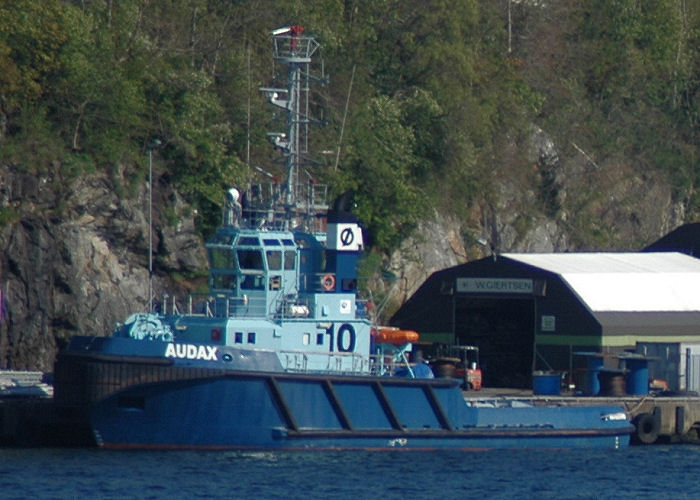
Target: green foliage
31,35
375,285
638,67
34,145
440,98
378,165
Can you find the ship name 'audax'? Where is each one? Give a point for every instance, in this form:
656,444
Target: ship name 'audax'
190,351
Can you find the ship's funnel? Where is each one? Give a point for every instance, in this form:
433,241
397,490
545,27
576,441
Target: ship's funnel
344,243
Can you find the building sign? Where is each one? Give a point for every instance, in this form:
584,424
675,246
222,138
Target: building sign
494,285
548,323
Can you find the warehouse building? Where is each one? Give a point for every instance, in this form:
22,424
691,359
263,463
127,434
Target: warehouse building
685,239
531,312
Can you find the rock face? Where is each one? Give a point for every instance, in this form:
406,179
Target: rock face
566,202
75,260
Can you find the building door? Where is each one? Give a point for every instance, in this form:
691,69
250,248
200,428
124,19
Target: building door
503,329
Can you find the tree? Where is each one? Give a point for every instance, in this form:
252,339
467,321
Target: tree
31,35
378,165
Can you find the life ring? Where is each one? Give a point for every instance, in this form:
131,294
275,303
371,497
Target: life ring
647,428
346,328
328,282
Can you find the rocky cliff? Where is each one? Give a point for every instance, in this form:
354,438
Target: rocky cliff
75,258
566,202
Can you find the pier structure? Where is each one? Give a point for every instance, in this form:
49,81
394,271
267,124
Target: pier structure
657,418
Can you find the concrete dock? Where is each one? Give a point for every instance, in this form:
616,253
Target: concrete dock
658,418
29,418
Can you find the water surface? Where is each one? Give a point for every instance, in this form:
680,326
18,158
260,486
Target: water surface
636,472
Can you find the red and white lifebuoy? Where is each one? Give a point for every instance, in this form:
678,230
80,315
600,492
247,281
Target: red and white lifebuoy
328,282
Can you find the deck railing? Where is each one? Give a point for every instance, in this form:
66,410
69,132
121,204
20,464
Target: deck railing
337,362
213,305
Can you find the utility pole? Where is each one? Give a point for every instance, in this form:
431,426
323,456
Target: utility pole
151,146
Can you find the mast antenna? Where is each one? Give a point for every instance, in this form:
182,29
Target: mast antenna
293,49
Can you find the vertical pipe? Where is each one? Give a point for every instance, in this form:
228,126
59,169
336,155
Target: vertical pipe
247,147
454,313
151,146
534,333
150,229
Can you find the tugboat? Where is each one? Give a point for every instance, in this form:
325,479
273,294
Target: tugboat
282,352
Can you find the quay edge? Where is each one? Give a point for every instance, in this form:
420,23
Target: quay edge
31,422
658,419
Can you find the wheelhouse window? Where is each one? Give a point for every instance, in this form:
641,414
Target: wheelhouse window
289,260
253,282
250,259
223,281
222,258
274,260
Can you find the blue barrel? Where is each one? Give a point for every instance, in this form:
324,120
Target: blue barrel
637,377
594,366
546,383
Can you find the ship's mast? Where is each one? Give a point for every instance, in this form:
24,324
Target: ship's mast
294,50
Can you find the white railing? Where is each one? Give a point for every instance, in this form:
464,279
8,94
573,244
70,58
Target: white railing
294,46
213,305
337,363
266,206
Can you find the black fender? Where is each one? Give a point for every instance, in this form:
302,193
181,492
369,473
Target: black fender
647,427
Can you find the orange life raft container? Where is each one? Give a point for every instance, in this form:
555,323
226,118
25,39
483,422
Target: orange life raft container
394,336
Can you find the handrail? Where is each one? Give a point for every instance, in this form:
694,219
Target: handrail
208,305
297,361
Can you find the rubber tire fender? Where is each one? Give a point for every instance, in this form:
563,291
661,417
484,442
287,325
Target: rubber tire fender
647,428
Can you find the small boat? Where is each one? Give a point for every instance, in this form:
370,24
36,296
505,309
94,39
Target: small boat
280,354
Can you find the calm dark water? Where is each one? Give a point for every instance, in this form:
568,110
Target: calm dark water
637,472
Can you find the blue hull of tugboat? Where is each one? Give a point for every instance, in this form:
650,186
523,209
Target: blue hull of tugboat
281,411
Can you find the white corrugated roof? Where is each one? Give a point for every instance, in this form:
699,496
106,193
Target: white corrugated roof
666,281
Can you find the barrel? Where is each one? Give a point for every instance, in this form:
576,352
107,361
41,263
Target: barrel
445,367
594,366
546,383
637,377
612,382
